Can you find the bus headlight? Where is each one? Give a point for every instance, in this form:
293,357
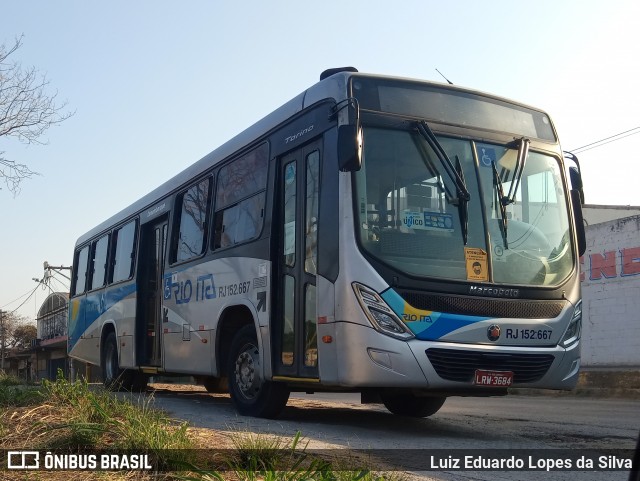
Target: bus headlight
572,333
380,314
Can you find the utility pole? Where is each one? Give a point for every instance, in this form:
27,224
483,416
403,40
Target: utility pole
57,269
3,337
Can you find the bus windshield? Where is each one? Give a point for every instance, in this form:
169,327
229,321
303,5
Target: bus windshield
409,219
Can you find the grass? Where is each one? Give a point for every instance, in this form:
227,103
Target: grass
262,457
76,417
96,418
13,392
8,380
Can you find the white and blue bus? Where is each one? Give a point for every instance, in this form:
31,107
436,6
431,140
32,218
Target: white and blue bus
404,239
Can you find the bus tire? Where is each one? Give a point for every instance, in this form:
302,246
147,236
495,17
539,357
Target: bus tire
216,385
114,378
250,394
408,404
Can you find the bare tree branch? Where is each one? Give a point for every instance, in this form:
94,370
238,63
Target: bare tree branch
15,330
26,112
14,173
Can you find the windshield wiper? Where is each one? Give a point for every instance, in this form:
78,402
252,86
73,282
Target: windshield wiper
501,204
523,152
454,173
463,208
458,181
510,198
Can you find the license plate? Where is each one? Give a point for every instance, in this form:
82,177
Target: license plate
493,378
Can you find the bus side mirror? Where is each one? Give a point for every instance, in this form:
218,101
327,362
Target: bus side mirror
350,147
576,182
576,199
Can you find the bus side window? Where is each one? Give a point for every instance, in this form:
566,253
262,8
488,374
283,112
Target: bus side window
190,240
123,242
240,198
80,274
99,263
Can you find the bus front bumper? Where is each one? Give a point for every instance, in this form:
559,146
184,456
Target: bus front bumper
367,358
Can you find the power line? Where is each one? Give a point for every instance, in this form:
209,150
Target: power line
17,299
606,138
65,288
598,143
605,143
25,301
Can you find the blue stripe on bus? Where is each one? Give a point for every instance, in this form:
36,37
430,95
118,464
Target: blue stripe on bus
91,306
427,325
446,324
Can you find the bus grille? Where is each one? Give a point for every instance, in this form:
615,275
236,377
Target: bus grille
460,365
478,306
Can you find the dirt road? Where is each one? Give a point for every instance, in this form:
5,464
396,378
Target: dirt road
501,425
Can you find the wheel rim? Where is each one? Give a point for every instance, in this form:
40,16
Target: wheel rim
247,372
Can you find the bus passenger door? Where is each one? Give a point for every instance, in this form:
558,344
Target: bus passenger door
295,322
149,313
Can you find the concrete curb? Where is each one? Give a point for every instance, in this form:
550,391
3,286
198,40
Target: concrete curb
602,383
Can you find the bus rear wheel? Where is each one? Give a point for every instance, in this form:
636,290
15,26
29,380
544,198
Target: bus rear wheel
114,378
408,404
250,393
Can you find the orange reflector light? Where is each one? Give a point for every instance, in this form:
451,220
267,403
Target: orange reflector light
327,339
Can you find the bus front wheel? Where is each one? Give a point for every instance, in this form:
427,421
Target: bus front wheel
216,385
408,404
250,393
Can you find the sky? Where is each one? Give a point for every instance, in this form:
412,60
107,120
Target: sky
156,85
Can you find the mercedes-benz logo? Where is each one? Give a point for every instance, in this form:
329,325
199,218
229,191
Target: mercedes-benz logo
493,333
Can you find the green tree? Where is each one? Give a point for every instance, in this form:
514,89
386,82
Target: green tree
27,110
